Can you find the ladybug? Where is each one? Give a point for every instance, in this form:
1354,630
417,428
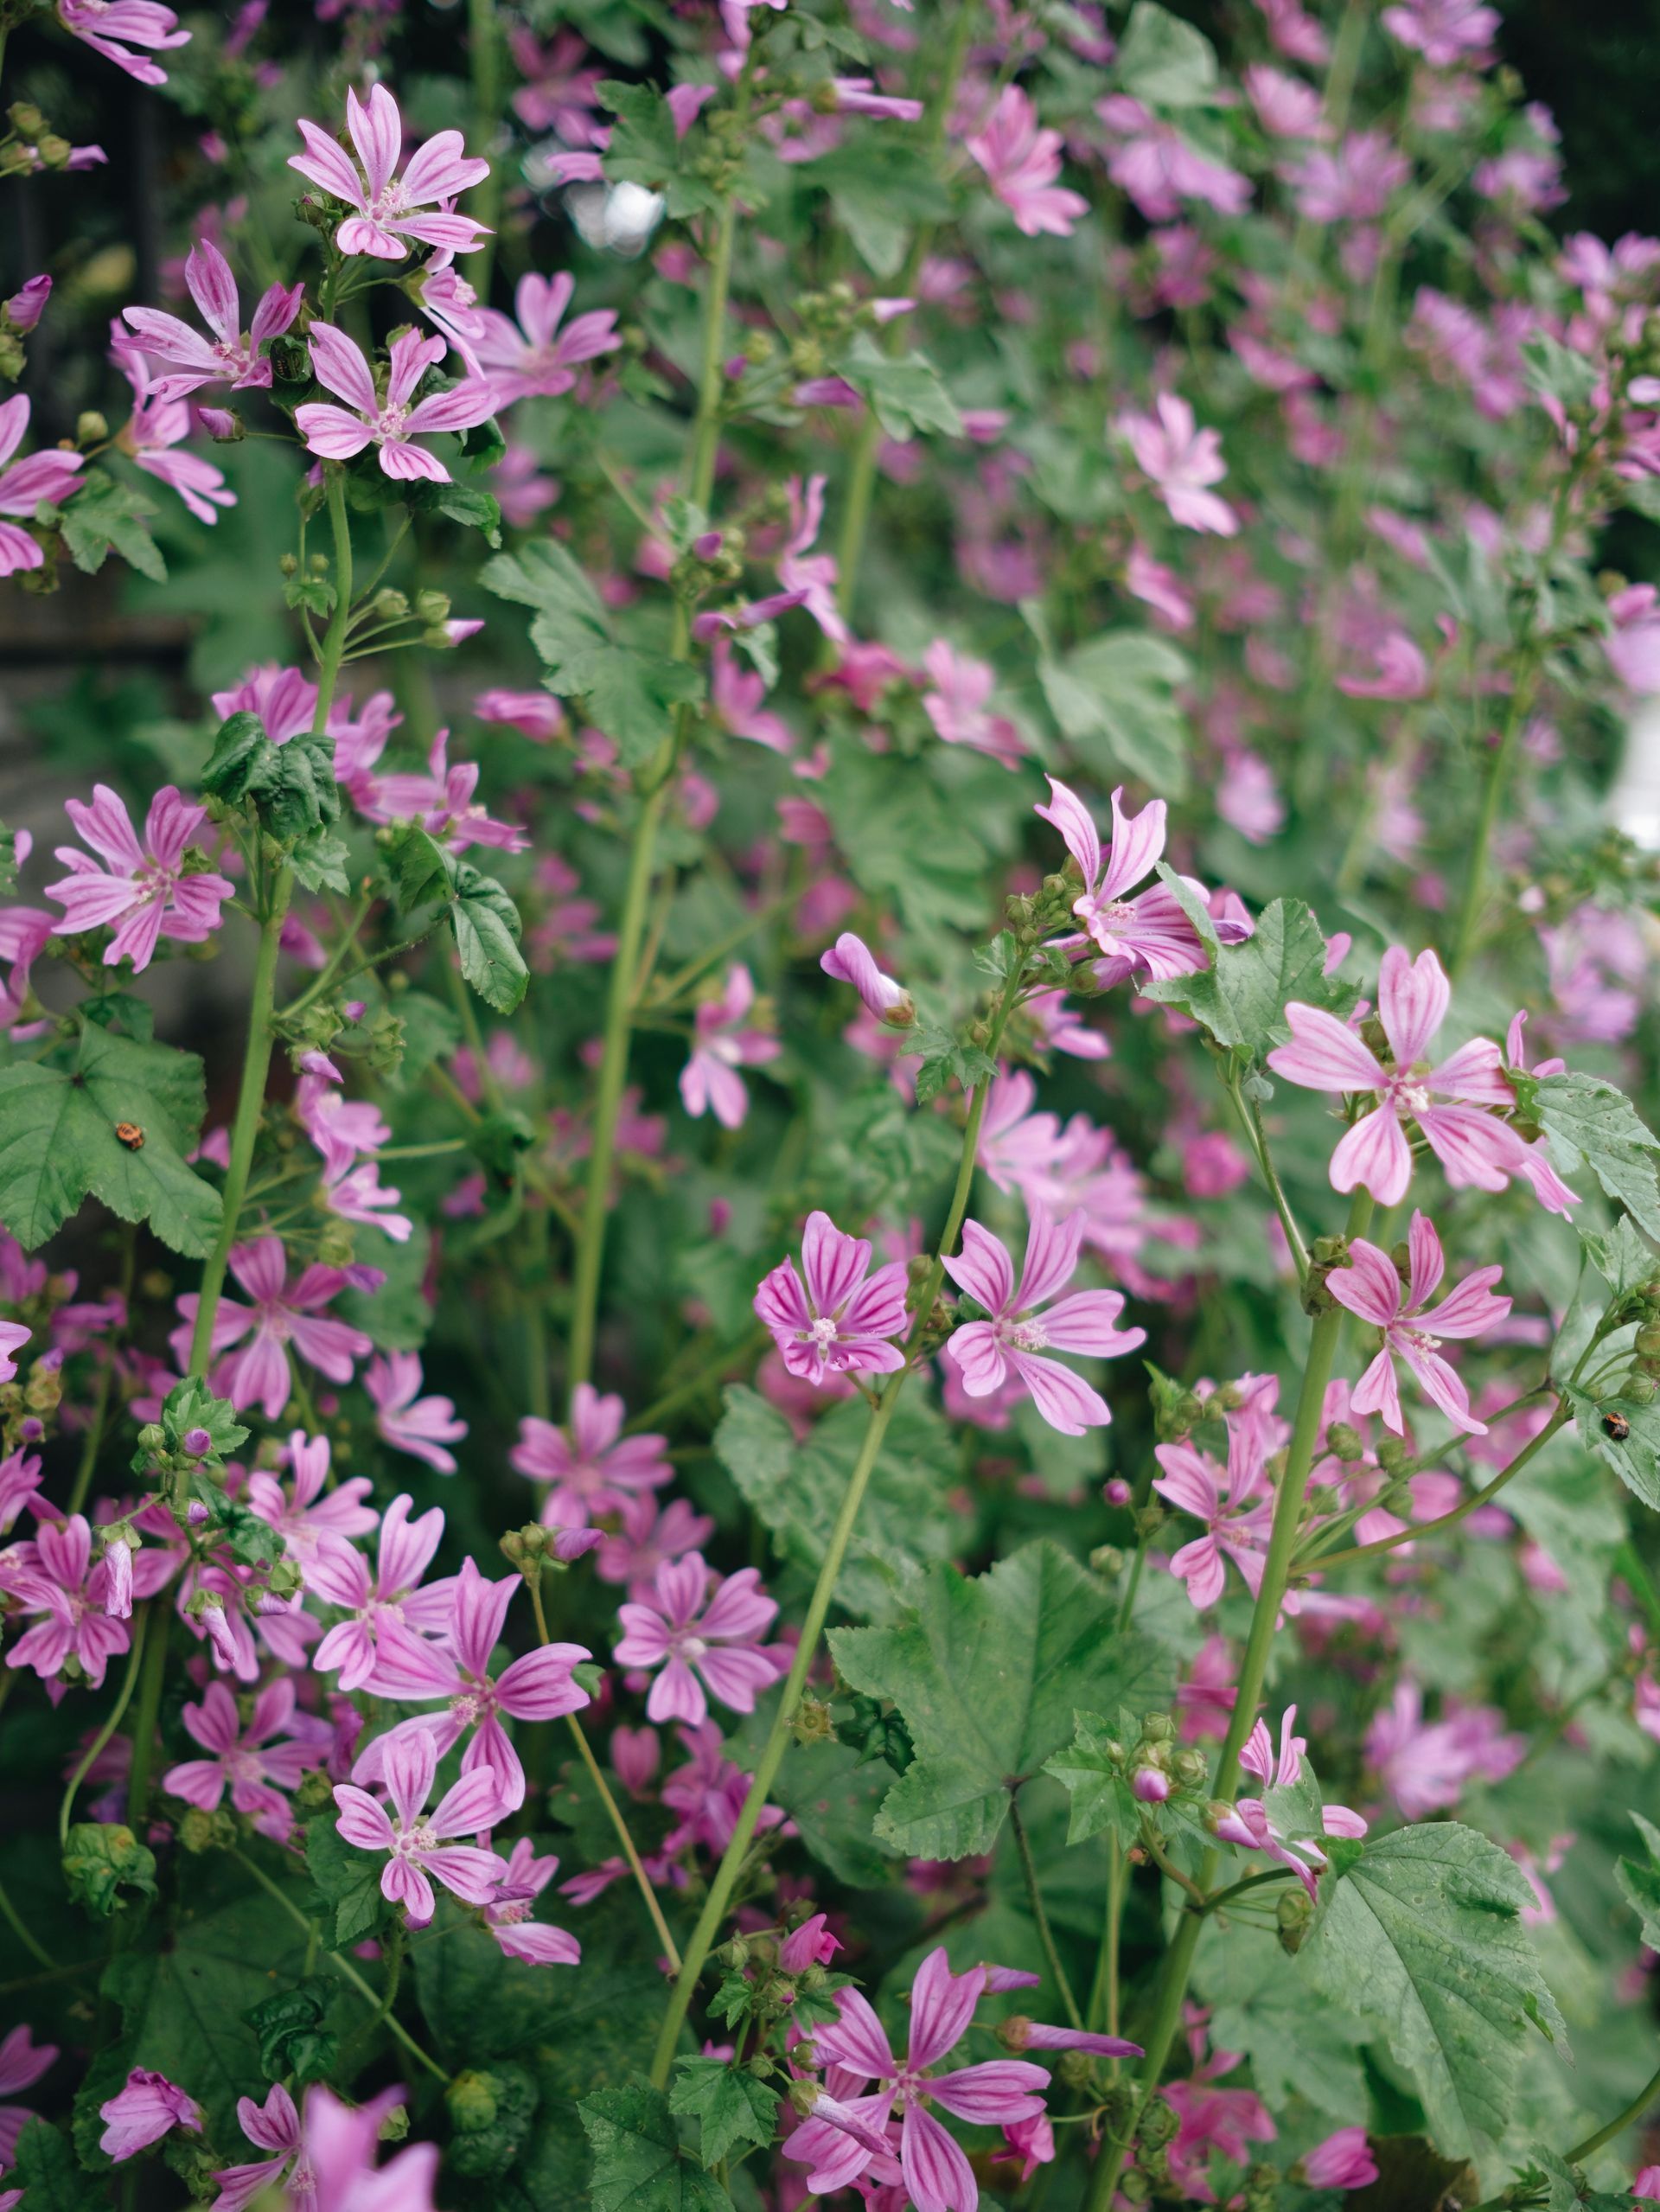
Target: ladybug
130,1135
1617,1426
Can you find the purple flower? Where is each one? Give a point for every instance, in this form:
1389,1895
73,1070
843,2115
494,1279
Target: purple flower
646,1538
592,1467
1155,165
279,1316
537,1687
1402,672
417,1844
836,2141
328,2154
533,357
22,2062
800,571
419,1426
1150,934
143,891
24,311
1412,997
834,1319
151,2106
1353,184
390,424
851,961
690,1632
736,693
1344,2160
956,704
155,431
1181,462
1249,1823
379,1645
24,484
1236,1505
1426,1765
13,1337
721,1045
809,1944
56,1581
509,1917
1021,163
311,1516
113,27
1020,2034
256,1770
388,217
1016,1336
1448,33
232,357
1370,1286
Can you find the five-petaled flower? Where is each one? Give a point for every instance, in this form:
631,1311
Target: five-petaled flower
1014,1335
833,1318
592,1467
379,1645
722,1041
1370,1286
49,477
257,1764
532,357
232,355
1149,934
1181,462
1021,161
145,2109
419,1844
690,1632
389,215
1252,1825
391,423
279,1316
143,891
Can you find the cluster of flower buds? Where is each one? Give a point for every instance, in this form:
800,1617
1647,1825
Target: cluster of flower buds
532,1548
26,1406
1642,1306
1150,2176
1176,1410
1153,1764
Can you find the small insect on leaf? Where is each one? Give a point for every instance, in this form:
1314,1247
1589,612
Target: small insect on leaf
1617,1426
130,1135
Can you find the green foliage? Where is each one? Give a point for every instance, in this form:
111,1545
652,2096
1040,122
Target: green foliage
988,1673
1241,997
58,1119
1090,1776
347,1881
643,149
1116,698
49,2176
100,1860
1163,61
1588,1119
191,1405
292,2037
1631,1445
638,2164
105,516
291,787
484,919
729,2104
904,390
1639,1881
1422,1931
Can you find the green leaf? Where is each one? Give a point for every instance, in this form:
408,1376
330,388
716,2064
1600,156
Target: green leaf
105,517
1300,2041
797,1489
239,754
1639,1881
1166,61
191,1405
58,1119
1241,997
1116,698
319,862
420,869
906,843
398,1315
292,2038
1423,1934
49,2176
637,2162
945,1059
988,1673
292,786
729,2104
904,391
488,931
1557,372
1586,1118
1631,1446
101,1859
8,860
346,1880
643,149
475,510
1093,1780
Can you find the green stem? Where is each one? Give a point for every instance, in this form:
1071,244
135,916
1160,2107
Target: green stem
714,1914
135,1655
614,1813
694,1385
1103,1996
1628,1562
484,59
1035,1898
144,1721
94,1441
1220,1897
1265,1618
1633,2112
1492,800
1250,1121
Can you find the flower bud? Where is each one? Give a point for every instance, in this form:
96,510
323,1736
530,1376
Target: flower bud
198,1442
1160,2125
1190,1768
1640,1390
1393,1455
1343,1443
1107,1560
1117,1492
1149,1787
1647,1339
152,1437
389,605
1293,1914
471,2098
432,606
1158,1727
90,428
803,2094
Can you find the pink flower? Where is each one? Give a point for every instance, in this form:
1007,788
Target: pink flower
13,1337
417,1844
1028,2144
280,1316
1370,1286
1353,184
149,2107
327,2155
1249,1823
1286,106
592,1467
1180,461
1021,163
1235,1504
1324,1055
1425,1766
536,1687
1020,2033
721,1045
533,357
113,27
1402,672
275,2126
312,1515
838,1320
708,1794
1228,2121
54,1581
809,1944
690,1632
1159,588
24,484
1343,2160
1448,33
735,695
836,2141
143,891
231,357
22,2062
1158,168
1633,649
1016,1336
386,220
813,575
509,1917
850,960
956,705
1149,934
379,1645
420,1426
155,431
256,1770
390,424
647,1539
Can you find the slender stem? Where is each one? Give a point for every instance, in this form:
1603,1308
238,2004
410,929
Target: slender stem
1035,1897
1167,1866
614,1811
135,1655
1633,2112
1250,1121
1628,1562
87,1465
1265,1617
766,1771
21,1929
343,1966
484,59
1492,800
695,1384
144,1721
1103,1996
1215,1903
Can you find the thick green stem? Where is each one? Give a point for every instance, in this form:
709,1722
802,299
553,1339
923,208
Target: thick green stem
714,1914
1265,1619
1035,1898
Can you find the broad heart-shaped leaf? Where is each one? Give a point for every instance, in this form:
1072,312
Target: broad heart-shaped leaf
1640,1881
49,2175
58,1121
638,2166
797,1489
729,2104
906,392
1630,1446
1422,1931
1587,1119
292,786
1241,997
488,931
1116,698
988,1673
1300,2040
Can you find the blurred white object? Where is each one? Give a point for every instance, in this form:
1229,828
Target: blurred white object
1634,801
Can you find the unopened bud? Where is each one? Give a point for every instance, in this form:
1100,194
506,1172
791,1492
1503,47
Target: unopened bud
90,428
1393,1455
1344,1442
1158,1727
1647,1339
432,606
1293,1914
803,2094
1149,1787
1107,1560
1640,1390
389,605
198,1442
152,1437
1160,2125
812,1723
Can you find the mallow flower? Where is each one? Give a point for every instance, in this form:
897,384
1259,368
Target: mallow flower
419,1844
1370,1286
1148,934
143,891
232,355
393,423
50,476
389,211
834,1318
699,1634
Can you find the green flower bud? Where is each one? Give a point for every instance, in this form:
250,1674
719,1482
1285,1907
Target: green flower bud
471,2098
1343,1443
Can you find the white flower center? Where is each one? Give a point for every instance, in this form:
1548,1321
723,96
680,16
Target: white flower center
1415,1096
421,1839
820,1331
389,422
1028,1335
